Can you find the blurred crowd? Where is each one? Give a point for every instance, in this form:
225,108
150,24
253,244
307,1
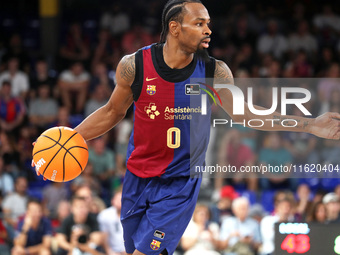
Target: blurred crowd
257,39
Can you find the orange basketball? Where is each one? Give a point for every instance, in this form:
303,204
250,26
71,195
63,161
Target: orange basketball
60,154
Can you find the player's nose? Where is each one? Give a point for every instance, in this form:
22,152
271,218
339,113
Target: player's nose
207,31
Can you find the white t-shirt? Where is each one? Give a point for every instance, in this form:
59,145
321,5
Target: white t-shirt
19,83
68,76
268,233
109,222
16,204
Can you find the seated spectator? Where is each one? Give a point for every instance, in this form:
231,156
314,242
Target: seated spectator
43,110
304,203
18,79
110,225
10,153
136,38
4,248
331,201
34,232
273,42
42,76
223,208
12,111
14,205
76,46
51,200
6,181
94,203
201,236
63,118
275,155
102,160
240,233
282,213
318,213
302,39
79,232
101,76
99,98
75,80
235,153
115,20
87,179
63,211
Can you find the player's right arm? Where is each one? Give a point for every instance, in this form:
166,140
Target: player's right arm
106,117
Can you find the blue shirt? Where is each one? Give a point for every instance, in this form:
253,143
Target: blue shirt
35,236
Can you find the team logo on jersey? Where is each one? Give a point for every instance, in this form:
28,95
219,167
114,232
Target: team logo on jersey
151,111
159,234
155,245
192,89
151,89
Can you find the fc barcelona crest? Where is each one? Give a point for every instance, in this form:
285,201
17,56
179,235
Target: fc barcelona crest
155,245
151,89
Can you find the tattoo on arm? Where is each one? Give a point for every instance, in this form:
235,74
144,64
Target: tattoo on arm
278,119
128,70
222,71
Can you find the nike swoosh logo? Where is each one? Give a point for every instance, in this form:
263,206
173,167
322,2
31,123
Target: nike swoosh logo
151,79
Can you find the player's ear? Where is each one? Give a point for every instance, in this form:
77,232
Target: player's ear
174,28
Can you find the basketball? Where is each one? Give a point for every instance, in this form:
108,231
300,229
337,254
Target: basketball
60,154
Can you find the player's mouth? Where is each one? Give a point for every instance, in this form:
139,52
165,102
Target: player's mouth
205,42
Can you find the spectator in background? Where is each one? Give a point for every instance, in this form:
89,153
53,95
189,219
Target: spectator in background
50,200
325,59
318,213
282,213
63,211
79,232
101,77
94,203
87,179
4,248
43,110
300,67
12,110
115,20
74,80
275,155
6,181
34,232
76,47
110,225
14,205
331,201
136,38
63,118
304,203
15,49
42,76
98,99
240,233
102,160
272,42
201,236
327,19
303,40
223,208
18,79
234,153
10,153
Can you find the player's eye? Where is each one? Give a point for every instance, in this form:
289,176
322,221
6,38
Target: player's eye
199,24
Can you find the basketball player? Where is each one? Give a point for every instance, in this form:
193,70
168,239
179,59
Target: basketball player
159,196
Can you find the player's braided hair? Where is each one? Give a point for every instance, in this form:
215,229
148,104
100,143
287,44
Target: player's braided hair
173,10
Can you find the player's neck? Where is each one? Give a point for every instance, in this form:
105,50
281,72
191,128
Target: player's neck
175,57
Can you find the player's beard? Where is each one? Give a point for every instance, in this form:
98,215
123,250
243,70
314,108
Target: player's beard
202,54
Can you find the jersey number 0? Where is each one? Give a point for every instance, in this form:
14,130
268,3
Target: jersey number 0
173,138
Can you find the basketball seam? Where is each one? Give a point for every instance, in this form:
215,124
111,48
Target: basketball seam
68,150
61,147
56,142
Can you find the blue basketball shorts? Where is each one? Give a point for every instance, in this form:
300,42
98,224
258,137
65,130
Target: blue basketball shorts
155,211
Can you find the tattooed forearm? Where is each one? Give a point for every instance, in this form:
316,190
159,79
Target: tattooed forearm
291,122
127,69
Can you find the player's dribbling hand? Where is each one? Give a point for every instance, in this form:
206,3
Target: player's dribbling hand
33,165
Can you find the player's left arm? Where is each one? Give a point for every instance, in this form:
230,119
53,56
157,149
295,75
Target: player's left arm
326,125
